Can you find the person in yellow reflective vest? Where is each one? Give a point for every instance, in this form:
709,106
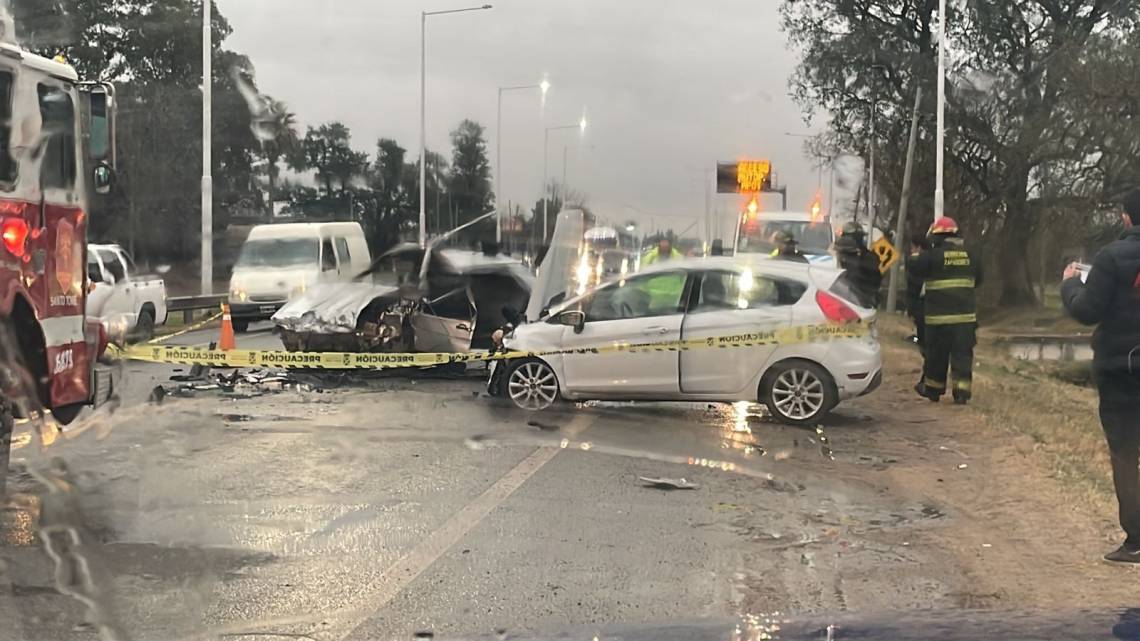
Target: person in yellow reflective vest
663,251
950,274
664,292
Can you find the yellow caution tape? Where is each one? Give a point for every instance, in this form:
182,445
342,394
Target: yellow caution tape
381,360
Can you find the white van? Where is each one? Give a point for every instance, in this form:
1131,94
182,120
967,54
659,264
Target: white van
281,262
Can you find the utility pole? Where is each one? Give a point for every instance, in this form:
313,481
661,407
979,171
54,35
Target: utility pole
423,130
871,169
940,134
900,225
207,161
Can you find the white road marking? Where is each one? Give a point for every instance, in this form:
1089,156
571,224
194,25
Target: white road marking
401,573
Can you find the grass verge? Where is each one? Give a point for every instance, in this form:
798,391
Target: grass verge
1023,398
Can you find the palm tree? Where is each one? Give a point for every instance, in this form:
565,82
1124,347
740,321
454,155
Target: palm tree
282,143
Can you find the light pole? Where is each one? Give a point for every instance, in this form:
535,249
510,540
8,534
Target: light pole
207,161
940,142
871,151
581,127
423,98
543,86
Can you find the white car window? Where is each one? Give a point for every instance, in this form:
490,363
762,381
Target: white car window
342,251
112,264
744,290
94,269
640,297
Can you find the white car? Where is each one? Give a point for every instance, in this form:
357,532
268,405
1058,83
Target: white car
799,381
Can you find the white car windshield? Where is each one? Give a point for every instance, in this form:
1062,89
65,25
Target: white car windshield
278,252
757,236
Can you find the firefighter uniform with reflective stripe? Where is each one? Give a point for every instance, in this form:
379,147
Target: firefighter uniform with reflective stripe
950,273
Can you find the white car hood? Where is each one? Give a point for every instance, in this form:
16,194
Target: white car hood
332,308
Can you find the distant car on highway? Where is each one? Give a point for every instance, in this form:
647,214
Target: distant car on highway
693,299
281,262
122,299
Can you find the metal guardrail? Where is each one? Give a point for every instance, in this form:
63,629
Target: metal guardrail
189,304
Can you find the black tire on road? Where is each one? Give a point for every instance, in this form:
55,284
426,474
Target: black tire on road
144,328
241,325
798,392
531,384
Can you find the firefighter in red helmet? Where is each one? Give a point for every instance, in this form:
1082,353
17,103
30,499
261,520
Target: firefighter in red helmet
950,274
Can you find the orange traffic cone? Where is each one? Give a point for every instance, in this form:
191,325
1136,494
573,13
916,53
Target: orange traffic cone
226,340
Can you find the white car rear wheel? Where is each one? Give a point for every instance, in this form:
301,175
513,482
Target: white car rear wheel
798,392
531,385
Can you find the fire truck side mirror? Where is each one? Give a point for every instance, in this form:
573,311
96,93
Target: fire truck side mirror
103,178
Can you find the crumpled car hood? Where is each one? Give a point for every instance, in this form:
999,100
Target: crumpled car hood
331,308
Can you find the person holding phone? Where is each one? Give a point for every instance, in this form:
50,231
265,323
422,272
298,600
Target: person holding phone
1110,299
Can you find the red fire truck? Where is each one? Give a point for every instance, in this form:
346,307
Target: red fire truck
56,153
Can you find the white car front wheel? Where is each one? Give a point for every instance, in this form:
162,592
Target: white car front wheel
798,392
531,385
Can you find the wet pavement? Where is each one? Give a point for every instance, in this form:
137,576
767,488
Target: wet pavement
401,505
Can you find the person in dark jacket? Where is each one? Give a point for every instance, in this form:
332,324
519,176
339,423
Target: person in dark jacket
914,290
950,273
1110,299
860,263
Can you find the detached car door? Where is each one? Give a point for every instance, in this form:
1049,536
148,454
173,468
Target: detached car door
642,309
741,305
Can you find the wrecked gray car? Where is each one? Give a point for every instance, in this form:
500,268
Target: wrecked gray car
438,300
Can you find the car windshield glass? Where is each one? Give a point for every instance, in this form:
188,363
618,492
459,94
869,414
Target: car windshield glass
278,252
759,236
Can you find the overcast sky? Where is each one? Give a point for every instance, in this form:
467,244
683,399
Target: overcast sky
668,88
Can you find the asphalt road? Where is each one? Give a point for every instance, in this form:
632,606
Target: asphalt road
383,508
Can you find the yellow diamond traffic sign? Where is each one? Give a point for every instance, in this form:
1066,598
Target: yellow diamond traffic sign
887,253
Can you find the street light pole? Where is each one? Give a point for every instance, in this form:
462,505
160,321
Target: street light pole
544,86
423,111
207,160
940,142
423,128
581,126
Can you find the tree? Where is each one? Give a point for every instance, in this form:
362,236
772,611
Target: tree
280,143
327,149
469,183
1015,116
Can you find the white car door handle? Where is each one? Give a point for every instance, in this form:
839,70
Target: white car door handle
655,330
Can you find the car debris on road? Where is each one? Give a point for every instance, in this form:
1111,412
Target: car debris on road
668,483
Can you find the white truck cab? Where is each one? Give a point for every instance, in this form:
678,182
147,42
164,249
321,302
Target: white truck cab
280,262
814,236
119,296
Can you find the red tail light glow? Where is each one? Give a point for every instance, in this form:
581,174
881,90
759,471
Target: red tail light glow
15,233
835,309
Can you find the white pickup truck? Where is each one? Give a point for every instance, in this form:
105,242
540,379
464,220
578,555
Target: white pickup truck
119,298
